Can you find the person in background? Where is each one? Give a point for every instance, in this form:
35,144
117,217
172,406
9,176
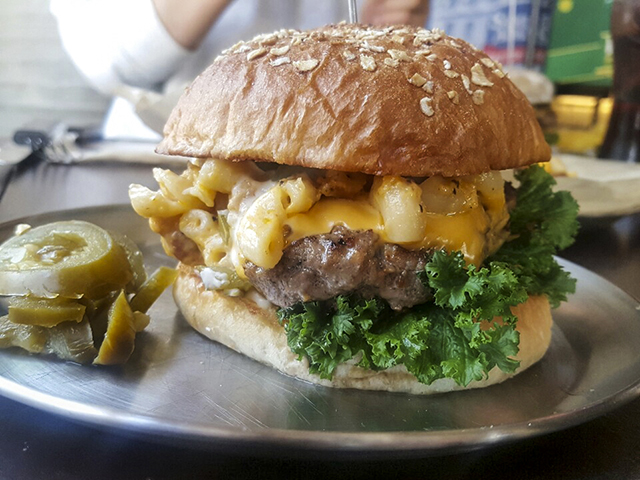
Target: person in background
145,52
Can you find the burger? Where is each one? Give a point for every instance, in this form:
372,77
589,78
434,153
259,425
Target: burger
344,219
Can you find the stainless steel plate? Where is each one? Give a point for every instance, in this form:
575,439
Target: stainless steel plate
181,387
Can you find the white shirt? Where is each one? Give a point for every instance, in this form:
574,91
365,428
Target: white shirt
122,47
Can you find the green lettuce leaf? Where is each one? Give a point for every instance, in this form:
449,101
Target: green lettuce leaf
454,335
542,223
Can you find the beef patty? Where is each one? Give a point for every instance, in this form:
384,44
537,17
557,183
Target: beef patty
320,267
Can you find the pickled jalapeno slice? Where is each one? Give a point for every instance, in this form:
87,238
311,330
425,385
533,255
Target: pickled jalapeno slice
68,259
71,341
45,312
136,261
119,340
153,288
68,340
23,336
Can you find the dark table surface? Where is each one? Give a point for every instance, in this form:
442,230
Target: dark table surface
35,445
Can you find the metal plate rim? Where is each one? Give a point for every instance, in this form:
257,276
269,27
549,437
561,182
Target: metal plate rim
389,442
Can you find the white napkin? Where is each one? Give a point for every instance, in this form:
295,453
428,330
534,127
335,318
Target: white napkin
122,151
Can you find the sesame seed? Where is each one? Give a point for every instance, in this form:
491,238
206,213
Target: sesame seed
279,61
467,84
306,65
424,52
243,48
258,52
451,74
478,97
417,80
428,87
349,55
425,37
399,55
437,34
447,64
453,96
280,50
270,40
368,63
499,73
425,106
487,62
398,39
391,62
374,48
235,48
478,77
432,58
266,39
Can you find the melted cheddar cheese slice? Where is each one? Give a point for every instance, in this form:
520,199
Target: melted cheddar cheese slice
465,232
329,212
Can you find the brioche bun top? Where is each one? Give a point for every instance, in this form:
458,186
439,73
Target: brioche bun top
383,101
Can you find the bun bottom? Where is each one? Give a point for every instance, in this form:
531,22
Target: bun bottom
242,325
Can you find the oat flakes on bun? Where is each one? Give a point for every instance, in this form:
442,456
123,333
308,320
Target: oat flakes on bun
344,219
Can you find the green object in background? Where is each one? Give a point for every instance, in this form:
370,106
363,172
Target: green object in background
580,49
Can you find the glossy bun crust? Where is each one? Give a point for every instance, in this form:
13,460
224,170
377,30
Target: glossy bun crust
242,325
383,101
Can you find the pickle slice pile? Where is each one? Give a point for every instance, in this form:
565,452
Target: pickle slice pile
76,291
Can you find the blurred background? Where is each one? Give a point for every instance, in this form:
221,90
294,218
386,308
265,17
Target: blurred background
38,79
568,41
560,52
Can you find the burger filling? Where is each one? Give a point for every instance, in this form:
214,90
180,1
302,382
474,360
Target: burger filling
392,270
323,266
236,216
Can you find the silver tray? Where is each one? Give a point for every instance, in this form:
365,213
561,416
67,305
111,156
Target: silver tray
180,387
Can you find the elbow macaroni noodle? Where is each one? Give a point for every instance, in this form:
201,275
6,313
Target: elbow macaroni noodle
149,204
199,226
400,204
260,234
466,213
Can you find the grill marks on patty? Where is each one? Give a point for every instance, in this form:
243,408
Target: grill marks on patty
320,267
